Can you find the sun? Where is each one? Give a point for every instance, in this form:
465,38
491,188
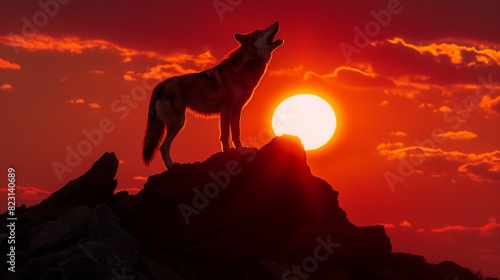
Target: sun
306,116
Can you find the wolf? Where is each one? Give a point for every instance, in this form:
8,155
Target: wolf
223,90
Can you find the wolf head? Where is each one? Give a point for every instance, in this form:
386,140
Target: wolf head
260,42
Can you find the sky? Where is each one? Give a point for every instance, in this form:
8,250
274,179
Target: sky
415,85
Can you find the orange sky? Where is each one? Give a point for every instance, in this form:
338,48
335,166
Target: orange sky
415,86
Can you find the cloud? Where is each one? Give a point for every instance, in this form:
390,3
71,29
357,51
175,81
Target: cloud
459,54
66,44
421,67
140,178
204,59
129,76
399,133
161,72
28,192
290,72
487,228
76,45
94,105
386,146
76,101
490,105
444,109
6,87
385,150
425,105
352,77
405,223
175,65
457,135
4,64
484,167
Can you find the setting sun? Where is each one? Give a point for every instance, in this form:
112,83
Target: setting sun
306,116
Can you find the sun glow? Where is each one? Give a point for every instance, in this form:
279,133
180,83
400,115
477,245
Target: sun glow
306,116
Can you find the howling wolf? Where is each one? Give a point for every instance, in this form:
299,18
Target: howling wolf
222,90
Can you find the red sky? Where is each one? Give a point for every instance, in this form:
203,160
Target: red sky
417,102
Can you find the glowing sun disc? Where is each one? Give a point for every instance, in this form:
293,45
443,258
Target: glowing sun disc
306,116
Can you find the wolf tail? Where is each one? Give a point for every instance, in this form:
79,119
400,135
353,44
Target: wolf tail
154,129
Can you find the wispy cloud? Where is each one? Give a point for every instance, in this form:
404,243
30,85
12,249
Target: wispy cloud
94,105
97,72
140,178
405,223
6,87
482,167
457,135
399,133
177,64
76,101
76,45
384,103
80,101
160,72
66,44
28,192
487,228
290,72
485,169
386,146
4,64
490,104
353,78
459,54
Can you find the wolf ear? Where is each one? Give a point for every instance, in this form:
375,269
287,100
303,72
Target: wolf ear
241,38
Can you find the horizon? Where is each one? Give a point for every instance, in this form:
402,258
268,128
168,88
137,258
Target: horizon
415,87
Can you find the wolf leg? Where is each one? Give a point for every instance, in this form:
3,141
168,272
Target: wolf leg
235,127
225,115
174,119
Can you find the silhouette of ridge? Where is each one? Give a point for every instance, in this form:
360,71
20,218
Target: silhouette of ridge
243,214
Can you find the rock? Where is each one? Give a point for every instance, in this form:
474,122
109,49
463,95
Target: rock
251,214
357,245
415,267
84,243
94,187
239,207
54,235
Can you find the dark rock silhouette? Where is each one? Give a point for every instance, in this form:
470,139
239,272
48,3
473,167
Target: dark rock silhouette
244,214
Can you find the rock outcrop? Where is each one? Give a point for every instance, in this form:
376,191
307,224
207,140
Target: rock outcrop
244,214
